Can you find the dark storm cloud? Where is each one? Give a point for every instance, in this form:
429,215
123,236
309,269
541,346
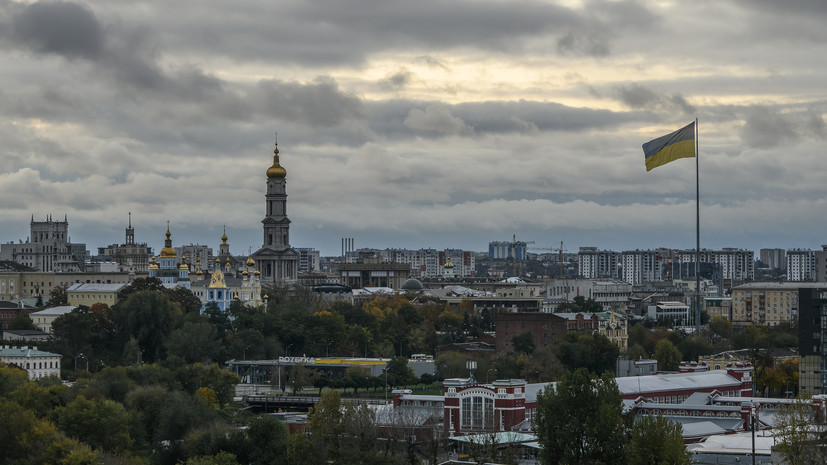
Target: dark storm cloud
641,97
319,104
329,33
397,80
768,127
61,28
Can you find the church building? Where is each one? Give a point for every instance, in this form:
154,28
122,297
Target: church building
276,260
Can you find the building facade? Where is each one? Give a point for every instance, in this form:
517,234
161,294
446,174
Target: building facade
594,263
93,293
47,249
276,260
801,265
773,258
309,259
812,342
37,363
130,256
766,303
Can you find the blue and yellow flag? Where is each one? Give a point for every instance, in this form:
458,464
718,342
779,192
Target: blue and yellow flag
679,144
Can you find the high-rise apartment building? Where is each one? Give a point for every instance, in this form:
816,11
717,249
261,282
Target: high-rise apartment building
774,258
594,263
801,265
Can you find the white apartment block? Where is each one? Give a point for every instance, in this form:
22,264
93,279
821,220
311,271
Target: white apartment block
641,266
593,263
736,264
424,263
309,259
801,265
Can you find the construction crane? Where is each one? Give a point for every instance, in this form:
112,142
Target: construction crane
561,250
554,249
514,244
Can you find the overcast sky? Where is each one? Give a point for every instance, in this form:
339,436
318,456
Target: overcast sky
415,124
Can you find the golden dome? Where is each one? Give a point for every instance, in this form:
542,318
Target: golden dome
184,265
224,237
153,265
448,263
228,260
276,171
256,273
250,261
168,250
244,273
199,272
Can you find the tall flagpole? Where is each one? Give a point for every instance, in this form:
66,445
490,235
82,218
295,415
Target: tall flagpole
697,237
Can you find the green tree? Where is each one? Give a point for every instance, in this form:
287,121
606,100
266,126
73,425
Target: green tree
300,450
149,317
300,376
667,355
104,424
73,332
324,421
579,420
141,284
654,440
268,440
58,297
592,351
796,437
194,342
580,304
189,303
524,343
22,322
221,458
11,378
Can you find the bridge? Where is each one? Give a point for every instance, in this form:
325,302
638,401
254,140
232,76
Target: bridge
289,403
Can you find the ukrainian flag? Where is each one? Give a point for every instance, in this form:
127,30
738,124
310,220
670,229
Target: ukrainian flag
679,144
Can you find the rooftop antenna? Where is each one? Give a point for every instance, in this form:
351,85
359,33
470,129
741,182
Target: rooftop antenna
130,220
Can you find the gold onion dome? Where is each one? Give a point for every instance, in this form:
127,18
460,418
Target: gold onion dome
256,273
153,265
168,250
448,263
244,273
276,171
250,261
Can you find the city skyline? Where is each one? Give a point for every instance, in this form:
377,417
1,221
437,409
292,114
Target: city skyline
414,125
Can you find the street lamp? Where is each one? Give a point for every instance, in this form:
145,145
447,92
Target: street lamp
244,356
486,374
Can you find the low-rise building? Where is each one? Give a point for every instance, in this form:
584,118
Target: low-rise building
37,363
718,307
93,293
43,319
678,312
